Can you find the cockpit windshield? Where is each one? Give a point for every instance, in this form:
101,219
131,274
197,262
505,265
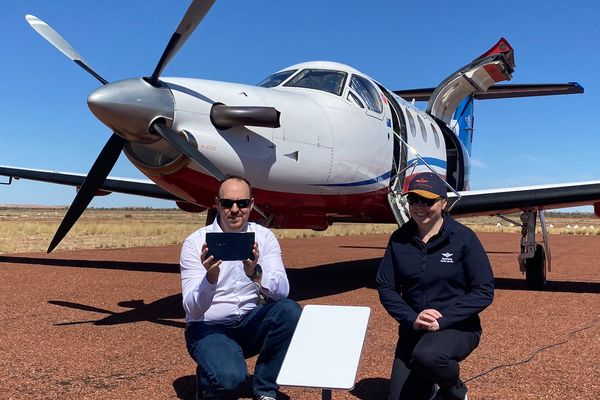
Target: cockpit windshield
320,79
276,78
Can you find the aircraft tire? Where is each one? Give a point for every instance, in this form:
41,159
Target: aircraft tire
535,269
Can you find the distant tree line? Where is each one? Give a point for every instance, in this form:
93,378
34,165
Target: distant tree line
561,214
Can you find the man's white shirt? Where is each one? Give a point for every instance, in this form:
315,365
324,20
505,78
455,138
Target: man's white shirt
234,294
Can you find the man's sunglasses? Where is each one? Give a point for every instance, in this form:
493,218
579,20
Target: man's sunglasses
241,203
414,199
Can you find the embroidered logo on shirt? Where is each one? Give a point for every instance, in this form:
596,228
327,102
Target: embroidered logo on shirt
447,258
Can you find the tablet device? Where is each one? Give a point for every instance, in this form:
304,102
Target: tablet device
230,246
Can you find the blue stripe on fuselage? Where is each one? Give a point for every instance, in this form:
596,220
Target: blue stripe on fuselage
436,162
380,178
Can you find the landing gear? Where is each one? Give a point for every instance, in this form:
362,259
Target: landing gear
532,260
535,269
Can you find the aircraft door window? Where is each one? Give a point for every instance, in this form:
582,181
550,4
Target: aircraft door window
422,126
436,135
411,123
276,78
367,92
319,79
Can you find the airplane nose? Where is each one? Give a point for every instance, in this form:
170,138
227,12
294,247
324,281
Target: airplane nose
129,107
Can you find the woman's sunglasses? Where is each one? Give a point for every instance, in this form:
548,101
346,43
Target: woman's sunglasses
241,203
414,199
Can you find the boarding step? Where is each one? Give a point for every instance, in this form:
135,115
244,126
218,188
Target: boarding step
399,207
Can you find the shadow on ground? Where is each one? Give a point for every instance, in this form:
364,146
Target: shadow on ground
371,389
162,311
95,264
185,388
330,279
366,389
306,284
553,286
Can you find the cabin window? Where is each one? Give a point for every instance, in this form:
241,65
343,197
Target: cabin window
436,135
422,126
276,78
319,79
411,123
367,92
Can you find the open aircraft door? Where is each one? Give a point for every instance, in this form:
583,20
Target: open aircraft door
495,65
451,104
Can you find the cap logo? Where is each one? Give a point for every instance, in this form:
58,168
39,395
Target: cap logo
427,182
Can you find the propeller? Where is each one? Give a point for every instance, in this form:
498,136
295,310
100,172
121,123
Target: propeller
193,16
61,44
107,157
174,139
95,177
113,147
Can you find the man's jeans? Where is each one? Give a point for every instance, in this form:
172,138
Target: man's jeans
221,350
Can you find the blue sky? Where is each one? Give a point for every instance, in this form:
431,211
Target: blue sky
47,125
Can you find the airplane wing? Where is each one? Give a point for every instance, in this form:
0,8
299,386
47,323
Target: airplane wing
471,203
541,197
138,187
502,91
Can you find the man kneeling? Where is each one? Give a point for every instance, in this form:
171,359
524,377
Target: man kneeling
236,309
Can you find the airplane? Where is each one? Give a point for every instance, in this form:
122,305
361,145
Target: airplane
320,141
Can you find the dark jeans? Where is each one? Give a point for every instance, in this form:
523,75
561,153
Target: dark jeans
425,359
220,350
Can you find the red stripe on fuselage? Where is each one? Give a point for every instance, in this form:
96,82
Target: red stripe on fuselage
201,189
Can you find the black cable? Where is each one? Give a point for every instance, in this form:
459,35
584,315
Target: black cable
569,336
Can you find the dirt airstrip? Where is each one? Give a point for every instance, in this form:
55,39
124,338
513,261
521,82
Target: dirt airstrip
108,324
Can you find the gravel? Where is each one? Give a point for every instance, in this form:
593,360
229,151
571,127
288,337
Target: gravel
99,324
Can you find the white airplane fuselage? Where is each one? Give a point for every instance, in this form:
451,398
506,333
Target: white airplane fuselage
331,158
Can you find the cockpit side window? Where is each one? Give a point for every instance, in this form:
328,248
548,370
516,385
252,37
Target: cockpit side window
355,99
367,92
276,78
320,79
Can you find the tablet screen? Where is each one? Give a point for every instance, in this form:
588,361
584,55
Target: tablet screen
230,246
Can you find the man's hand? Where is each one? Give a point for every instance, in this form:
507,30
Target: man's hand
212,266
250,265
427,320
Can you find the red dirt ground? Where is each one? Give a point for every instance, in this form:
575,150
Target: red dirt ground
100,324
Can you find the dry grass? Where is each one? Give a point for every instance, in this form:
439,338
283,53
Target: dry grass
569,224
27,230
31,229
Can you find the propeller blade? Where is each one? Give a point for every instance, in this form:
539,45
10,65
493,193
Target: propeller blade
193,16
186,148
175,140
98,173
61,44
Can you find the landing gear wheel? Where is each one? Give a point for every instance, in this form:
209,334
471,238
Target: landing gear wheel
535,269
